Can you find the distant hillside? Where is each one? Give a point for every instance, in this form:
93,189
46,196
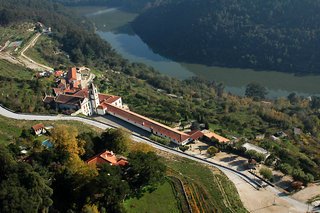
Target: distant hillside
281,35
132,5
74,33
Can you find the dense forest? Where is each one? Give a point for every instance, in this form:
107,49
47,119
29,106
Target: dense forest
280,35
58,180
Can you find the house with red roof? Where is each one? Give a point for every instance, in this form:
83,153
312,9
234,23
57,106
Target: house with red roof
107,157
38,129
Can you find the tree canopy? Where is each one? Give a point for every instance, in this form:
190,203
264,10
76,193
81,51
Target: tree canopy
22,189
256,91
280,35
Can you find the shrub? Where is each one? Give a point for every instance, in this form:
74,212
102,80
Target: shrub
158,139
212,151
285,168
255,155
184,148
299,175
266,173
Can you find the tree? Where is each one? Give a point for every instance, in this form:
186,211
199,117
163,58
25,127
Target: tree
21,188
212,151
299,175
89,139
256,91
116,140
195,126
315,102
64,139
108,189
144,169
266,173
285,168
293,98
90,209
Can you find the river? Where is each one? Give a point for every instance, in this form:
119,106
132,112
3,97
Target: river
113,25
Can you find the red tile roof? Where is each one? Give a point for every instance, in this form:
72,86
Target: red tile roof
69,100
107,99
216,136
76,84
103,97
148,123
72,74
195,134
107,157
58,73
82,93
38,127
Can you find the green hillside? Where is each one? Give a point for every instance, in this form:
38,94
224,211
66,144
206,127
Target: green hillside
280,35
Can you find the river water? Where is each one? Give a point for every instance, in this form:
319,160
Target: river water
113,25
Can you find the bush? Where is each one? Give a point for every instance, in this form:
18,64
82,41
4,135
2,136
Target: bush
158,139
255,155
299,175
184,148
212,150
266,173
285,168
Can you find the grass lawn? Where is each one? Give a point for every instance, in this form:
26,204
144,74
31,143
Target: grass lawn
10,70
159,201
11,129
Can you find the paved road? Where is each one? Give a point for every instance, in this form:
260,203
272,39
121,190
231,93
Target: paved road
232,174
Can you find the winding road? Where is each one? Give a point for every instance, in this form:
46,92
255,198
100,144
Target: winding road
27,60
291,204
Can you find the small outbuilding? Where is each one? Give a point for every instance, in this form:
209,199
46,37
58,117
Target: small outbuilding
39,129
213,136
258,149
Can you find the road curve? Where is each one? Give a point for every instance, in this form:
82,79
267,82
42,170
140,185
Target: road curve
28,59
299,206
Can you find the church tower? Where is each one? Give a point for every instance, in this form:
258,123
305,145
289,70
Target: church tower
94,98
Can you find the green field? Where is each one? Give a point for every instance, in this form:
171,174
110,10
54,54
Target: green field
11,129
10,70
161,200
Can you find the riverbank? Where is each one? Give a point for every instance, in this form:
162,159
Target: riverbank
122,38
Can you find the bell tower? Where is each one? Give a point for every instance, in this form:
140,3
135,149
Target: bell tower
94,97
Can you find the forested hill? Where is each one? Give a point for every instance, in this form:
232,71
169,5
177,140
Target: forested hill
74,33
281,35
131,5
